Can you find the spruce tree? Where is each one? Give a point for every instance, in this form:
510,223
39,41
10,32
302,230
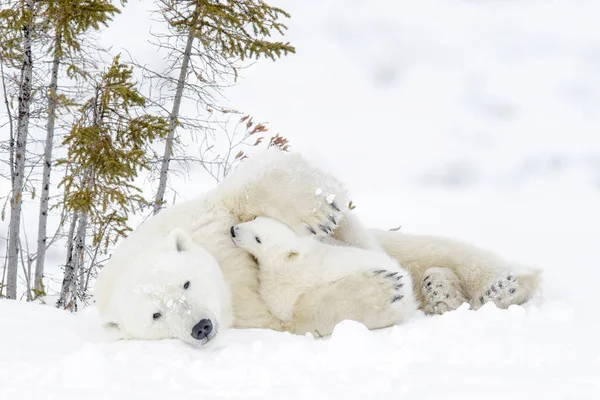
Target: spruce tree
67,21
107,147
215,35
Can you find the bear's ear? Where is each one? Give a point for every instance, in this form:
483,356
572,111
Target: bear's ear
292,254
180,240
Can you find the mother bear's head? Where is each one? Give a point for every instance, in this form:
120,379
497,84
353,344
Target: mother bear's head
178,293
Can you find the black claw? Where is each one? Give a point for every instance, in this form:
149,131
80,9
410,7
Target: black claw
398,287
334,206
391,274
481,299
311,230
511,291
500,285
325,228
494,289
379,271
426,278
332,219
447,296
397,298
428,284
439,285
487,293
435,293
510,278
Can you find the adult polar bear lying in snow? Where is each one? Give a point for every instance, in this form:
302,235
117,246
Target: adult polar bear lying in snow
291,266
133,295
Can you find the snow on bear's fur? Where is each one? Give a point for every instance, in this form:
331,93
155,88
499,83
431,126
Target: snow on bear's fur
285,187
172,288
291,266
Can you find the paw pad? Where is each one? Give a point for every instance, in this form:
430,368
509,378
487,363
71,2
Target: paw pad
440,294
502,292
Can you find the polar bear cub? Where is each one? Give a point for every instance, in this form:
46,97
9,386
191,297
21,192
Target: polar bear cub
290,266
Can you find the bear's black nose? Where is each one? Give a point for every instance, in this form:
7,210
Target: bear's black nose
232,230
202,329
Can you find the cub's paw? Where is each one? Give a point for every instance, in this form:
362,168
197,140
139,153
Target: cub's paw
503,292
441,291
392,284
392,300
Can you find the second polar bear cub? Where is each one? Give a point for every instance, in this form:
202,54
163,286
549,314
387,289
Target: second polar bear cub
291,266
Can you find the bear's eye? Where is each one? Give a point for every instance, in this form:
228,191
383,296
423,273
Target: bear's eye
156,316
257,239
186,285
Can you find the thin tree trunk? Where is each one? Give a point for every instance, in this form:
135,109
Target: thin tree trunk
3,276
76,251
20,153
69,264
79,257
164,168
45,194
11,155
26,271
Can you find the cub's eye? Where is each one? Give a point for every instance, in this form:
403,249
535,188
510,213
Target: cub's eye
257,239
186,285
156,316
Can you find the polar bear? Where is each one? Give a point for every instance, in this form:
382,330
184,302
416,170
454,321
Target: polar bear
177,290
278,185
285,187
291,265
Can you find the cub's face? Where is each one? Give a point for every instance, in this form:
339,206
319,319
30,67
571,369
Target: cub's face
180,294
264,236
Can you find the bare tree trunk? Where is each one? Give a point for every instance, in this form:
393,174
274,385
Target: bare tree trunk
164,168
11,155
3,277
79,258
75,250
26,270
45,194
20,153
69,263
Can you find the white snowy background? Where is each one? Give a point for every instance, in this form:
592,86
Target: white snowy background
474,119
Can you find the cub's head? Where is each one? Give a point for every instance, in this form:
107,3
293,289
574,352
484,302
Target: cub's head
266,238
179,293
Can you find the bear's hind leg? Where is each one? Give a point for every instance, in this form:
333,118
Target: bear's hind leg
441,291
509,288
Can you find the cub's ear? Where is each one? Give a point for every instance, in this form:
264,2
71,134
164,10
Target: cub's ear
180,240
292,254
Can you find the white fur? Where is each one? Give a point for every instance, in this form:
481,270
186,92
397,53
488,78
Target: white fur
290,266
278,184
285,187
469,271
171,276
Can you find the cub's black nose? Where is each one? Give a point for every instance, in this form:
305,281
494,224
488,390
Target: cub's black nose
202,329
232,230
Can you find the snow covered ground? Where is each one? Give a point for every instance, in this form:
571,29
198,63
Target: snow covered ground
474,119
